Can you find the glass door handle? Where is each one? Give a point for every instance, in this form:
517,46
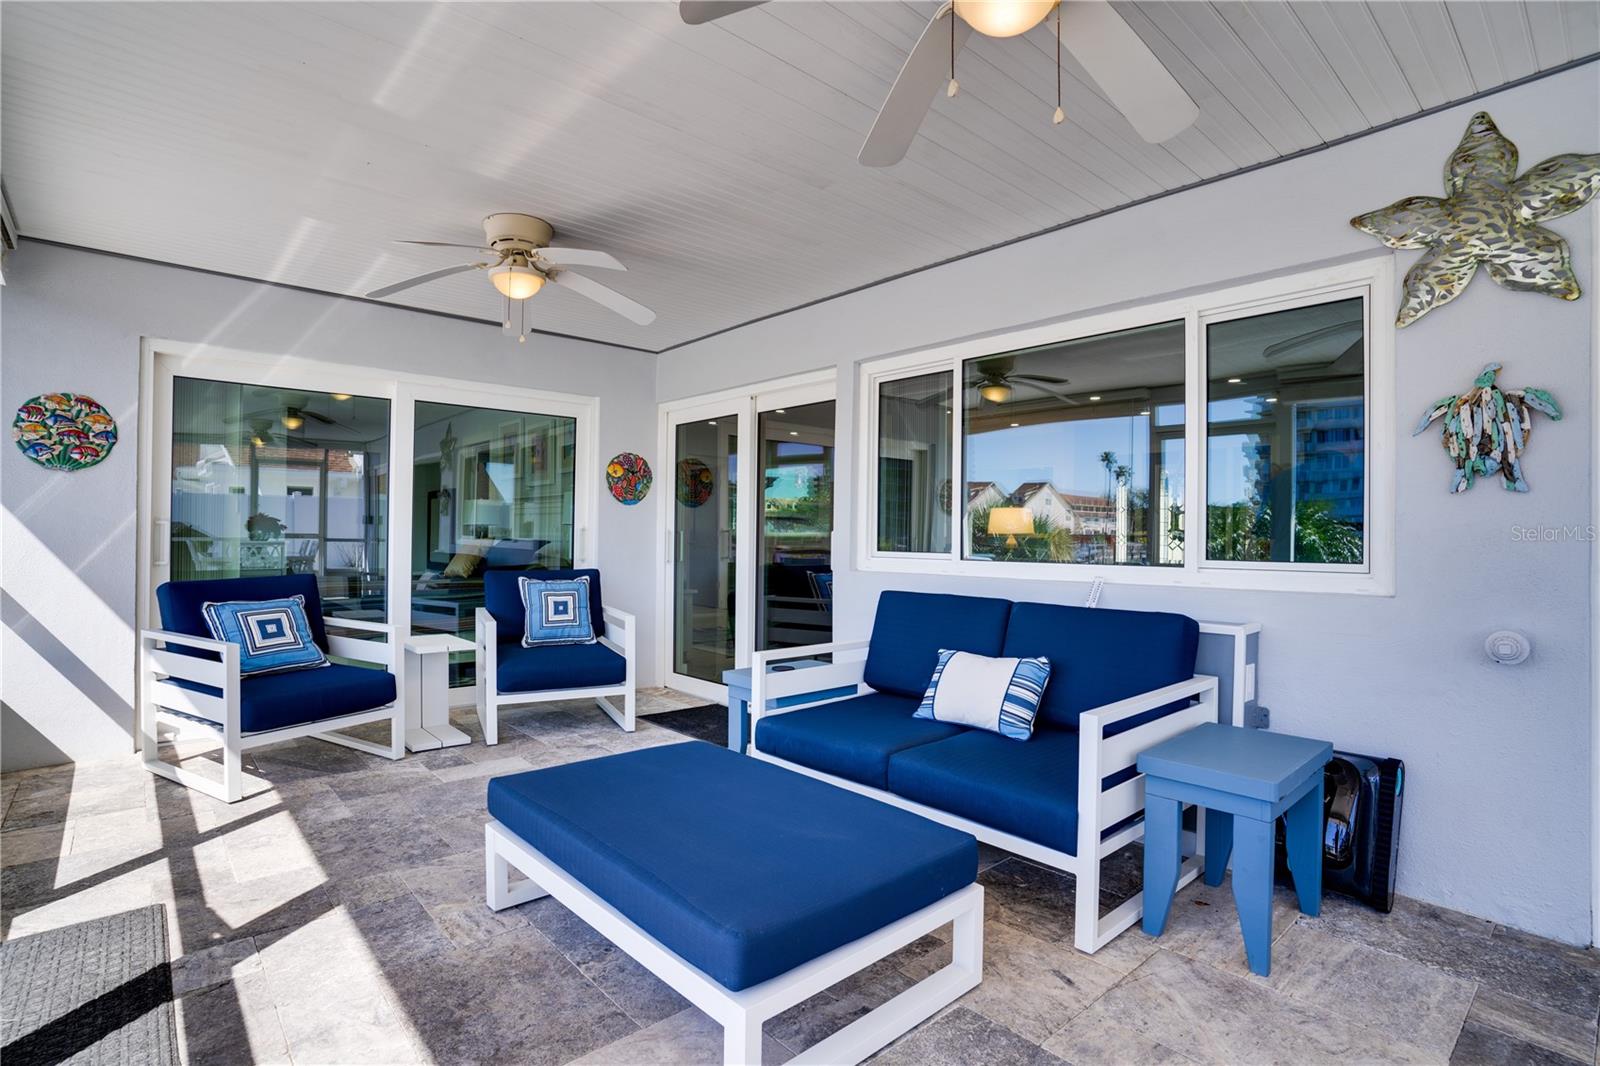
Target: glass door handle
161,542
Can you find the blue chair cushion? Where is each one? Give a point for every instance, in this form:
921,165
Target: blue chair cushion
1098,656
273,701
853,738
557,666
911,628
182,603
272,635
503,597
743,869
1029,789
555,611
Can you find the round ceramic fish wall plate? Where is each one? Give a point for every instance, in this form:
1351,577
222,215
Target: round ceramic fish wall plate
64,431
629,477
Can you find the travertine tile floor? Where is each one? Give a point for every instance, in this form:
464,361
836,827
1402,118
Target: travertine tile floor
339,918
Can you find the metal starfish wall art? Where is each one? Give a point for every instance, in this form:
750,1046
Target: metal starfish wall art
1488,216
1487,430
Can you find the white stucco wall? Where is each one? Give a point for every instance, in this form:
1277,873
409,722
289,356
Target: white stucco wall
73,321
1498,758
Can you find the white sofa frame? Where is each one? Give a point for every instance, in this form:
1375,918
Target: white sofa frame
1099,756
743,1013
490,699
161,702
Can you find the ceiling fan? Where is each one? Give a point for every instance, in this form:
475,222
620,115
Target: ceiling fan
1124,68
523,262
999,381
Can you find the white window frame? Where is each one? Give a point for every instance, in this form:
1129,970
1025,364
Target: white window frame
1369,277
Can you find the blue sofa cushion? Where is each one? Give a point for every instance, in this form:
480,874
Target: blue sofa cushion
558,666
911,628
503,597
273,701
743,869
852,738
182,603
1028,789
555,611
272,635
1098,656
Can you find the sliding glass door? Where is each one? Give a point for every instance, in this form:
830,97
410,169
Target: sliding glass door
268,480
397,493
794,602
704,553
749,531
491,489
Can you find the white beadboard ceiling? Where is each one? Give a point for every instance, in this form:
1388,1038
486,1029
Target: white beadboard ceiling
292,142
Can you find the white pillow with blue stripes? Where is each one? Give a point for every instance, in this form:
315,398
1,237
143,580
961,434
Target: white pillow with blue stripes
1000,695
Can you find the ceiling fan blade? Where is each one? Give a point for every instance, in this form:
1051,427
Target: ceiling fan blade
447,244
1041,379
699,12
610,298
313,415
1047,390
924,71
580,257
1132,78
432,275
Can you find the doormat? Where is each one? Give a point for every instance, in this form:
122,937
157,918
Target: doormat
94,993
708,722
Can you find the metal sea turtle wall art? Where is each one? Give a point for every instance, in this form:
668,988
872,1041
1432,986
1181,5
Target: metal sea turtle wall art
1487,429
1490,217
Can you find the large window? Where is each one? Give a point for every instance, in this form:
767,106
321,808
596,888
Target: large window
1286,436
1074,451
1231,439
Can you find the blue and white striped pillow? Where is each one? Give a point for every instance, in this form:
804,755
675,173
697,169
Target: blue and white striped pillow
1000,695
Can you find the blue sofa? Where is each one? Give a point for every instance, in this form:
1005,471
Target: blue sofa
1070,796
511,675
188,679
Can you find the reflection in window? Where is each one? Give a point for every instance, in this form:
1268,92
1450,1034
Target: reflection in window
491,490
914,491
1286,436
1074,451
282,481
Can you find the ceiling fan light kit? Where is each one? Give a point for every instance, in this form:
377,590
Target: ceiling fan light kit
524,262
1003,18
1117,61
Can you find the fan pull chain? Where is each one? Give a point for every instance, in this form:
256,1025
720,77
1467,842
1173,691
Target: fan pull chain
506,325
954,86
1060,115
522,322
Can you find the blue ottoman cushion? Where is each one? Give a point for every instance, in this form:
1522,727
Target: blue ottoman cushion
555,666
1029,789
852,738
273,701
743,869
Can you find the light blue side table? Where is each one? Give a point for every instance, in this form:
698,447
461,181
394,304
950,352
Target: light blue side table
738,682
1245,779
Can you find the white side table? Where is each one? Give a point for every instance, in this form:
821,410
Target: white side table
428,692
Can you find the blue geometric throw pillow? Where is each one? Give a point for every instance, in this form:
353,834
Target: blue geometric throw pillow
555,612
273,635
998,694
